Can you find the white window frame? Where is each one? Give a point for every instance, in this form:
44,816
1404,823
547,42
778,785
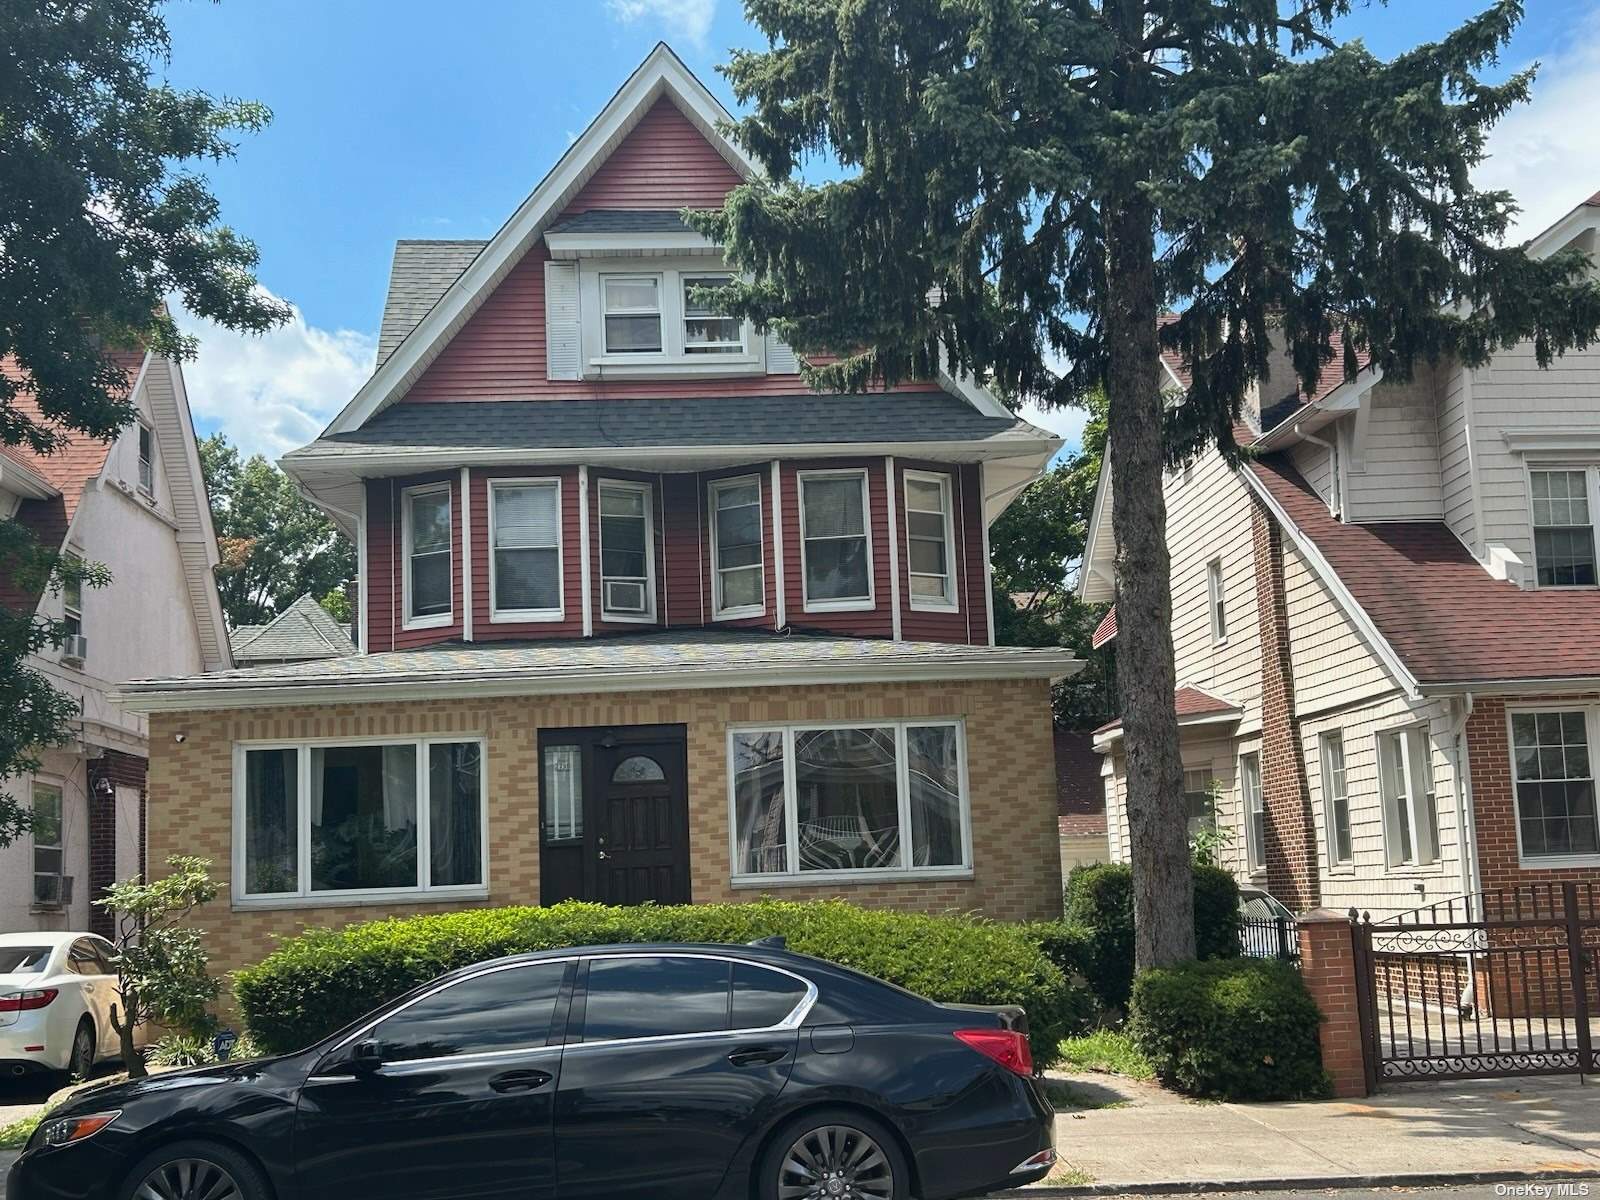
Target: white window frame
648,616
1325,742
659,312
1255,845
847,604
499,616
429,620
673,359
741,611
951,602
793,876
303,896
69,610
725,349
1591,475
60,846
1591,725
1420,796
1217,602
146,465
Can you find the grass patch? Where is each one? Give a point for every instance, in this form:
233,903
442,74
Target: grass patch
1105,1050
15,1135
1070,1176
1064,1095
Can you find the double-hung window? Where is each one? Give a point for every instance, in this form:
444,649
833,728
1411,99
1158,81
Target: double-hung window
632,306
886,798
738,579
47,847
1555,792
930,540
835,546
426,519
332,820
147,460
627,552
1255,812
1405,784
1217,601
72,596
525,550
706,331
1563,527
1335,800
1200,801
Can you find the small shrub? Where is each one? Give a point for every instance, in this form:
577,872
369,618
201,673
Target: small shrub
1099,901
1241,1029
321,980
181,1050
1108,1050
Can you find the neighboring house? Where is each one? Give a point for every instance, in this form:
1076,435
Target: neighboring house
1080,801
137,505
1387,628
303,632
641,617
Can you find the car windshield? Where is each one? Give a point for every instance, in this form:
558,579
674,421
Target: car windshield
23,960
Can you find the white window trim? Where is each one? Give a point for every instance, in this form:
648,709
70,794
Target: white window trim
854,603
659,312
508,616
431,620
59,787
1591,475
793,876
1251,849
744,611
647,490
303,896
743,343
952,603
1416,805
1336,865
1591,724
147,489
1217,600
672,359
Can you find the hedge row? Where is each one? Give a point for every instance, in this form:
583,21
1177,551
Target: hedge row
321,980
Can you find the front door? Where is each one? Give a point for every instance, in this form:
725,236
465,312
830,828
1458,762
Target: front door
615,815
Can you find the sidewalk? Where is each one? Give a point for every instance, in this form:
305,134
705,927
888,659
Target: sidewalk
1135,1136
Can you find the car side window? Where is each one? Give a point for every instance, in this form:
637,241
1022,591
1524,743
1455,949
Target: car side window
763,998
651,996
510,1009
83,958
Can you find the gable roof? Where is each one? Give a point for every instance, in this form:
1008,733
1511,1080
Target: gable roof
661,75
1448,621
422,271
1193,706
301,632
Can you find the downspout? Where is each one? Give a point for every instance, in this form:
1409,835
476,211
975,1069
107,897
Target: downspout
1466,839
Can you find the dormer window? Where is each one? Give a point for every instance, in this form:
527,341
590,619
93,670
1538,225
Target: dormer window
705,331
639,318
632,313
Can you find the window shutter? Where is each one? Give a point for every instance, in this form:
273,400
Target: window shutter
525,517
563,338
780,359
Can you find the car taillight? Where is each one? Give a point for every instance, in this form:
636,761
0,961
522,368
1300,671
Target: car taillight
27,1001
1006,1046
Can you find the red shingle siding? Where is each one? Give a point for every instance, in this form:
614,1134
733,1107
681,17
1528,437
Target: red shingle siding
874,622
685,551
379,587
663,162
484,629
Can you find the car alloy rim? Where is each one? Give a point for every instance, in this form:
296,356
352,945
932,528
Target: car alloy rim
188,1179
82,1053
835,1162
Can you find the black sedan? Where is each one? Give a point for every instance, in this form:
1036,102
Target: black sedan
610,1073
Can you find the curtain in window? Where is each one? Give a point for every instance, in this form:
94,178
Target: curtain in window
455,834
271,821
527,539
364,817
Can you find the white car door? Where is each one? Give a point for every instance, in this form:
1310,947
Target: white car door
85,962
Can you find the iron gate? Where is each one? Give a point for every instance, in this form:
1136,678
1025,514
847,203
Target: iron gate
1499,983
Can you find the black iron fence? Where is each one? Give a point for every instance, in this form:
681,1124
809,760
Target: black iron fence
1270,937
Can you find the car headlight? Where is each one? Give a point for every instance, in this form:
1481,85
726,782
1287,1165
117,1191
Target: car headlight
64,1131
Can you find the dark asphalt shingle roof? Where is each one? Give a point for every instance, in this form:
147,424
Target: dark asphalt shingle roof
676,421
422,272
623,220
305,630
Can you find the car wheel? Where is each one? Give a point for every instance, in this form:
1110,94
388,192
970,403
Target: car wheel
195,1171
834,1155
81,1060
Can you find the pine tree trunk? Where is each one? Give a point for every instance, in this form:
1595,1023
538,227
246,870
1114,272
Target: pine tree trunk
1163,890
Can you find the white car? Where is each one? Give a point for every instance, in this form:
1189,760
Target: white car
56,995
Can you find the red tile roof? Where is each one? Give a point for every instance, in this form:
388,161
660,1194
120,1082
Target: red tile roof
1594,200
1107,630
1447,618
1190,703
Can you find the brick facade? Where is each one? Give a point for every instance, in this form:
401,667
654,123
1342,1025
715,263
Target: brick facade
1291,832
1328,965
1011,772
117,770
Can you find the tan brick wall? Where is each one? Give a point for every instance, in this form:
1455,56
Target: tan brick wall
1011,768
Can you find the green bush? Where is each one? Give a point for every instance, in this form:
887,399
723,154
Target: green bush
321,980
1099,901
1240,1029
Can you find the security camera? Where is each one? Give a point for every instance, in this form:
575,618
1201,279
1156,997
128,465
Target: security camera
180,738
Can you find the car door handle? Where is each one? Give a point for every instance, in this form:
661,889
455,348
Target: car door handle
520,1081
755,1056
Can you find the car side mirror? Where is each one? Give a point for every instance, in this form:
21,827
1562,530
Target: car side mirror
366,1057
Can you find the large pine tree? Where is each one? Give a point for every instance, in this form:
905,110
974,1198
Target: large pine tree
1059,172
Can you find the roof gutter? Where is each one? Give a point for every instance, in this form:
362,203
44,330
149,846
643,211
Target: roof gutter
1342,399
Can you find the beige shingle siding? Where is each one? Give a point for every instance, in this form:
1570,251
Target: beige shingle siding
1315,463
1399,479
421,273
1332,665
1455,458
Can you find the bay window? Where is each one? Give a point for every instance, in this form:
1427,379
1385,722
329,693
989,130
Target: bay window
426,521
835,546
525,550
627,552
1405,784
333,820
1555,793
930,540
738,579
821,802
1563,527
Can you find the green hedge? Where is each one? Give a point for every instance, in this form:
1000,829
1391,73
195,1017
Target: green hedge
1099,902
1241,1029
321,980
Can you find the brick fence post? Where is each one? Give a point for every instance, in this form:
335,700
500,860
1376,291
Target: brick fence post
1328,965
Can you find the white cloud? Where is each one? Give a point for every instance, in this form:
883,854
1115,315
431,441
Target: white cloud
690,19
1547,152
1065,423
275,392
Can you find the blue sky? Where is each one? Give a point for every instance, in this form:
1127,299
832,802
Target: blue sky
409,119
